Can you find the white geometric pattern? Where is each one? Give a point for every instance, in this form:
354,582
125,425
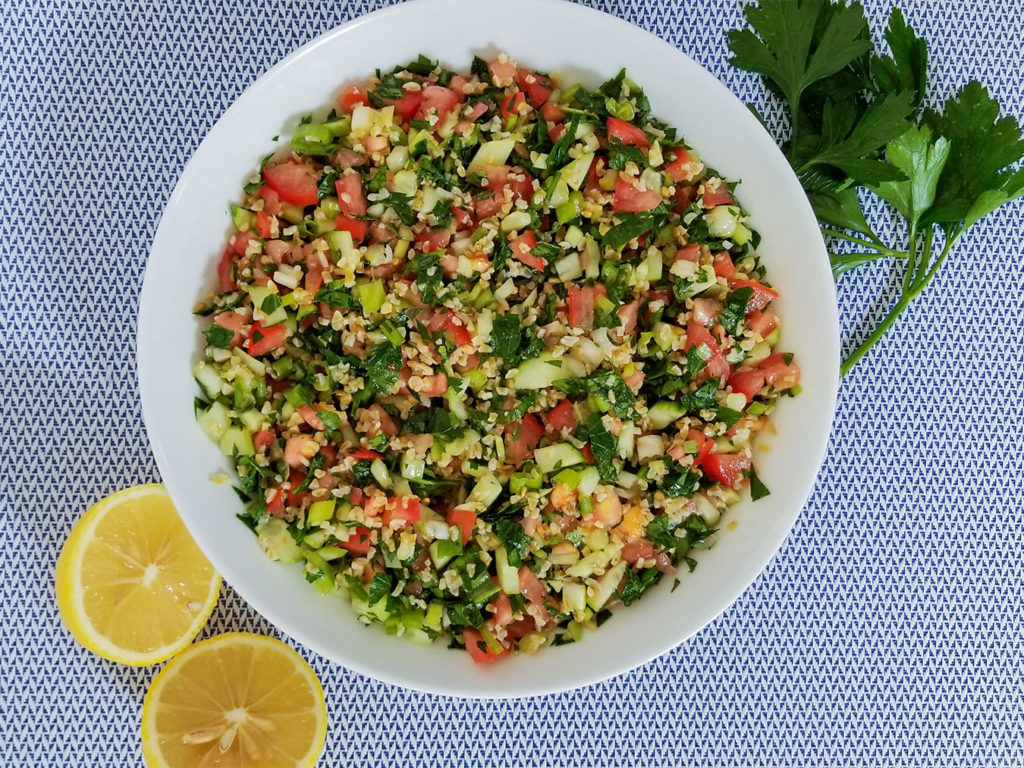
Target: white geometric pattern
887,631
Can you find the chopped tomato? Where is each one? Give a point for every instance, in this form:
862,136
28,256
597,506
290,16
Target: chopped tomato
295,479
275,502
436,98
521,439
725,468
562,416
683,197
271,200
502,610
632,200
465,519
360,454
723,265
406,106
522,248
697,334
533,589
433,239
747,381
405,508
263,340
763,295
463,218
704,444
503,73
352,98
263,224
356,227
681,168
627,133
537,87
478,648
263,439
226,271
350,195
358,542
718,194
295,183
476,111
434,386
310,417
552,112
581,306
241,241
688,253
627,316
778,373
487,206
762,323
512,105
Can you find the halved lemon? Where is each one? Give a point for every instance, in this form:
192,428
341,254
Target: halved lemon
131,583
234,700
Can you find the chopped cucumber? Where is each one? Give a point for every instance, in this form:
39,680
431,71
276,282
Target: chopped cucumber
277,541
371,295
606,586
443,550
242,219
236,440
320,512
575,173
551,458
574,597
589,479
539,372
491,153
209,380
486,491
214,421
663,413
508,575
412,466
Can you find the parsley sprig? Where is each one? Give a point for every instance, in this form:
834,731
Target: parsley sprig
857,122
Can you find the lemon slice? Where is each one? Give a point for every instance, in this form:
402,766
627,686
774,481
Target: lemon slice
131,583
234,700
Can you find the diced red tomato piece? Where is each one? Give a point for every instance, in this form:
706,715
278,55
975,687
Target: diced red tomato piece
358,542
433,239
683,197
632,200
502,611
680,169
360,454
581,306
352,97
627,316
275,502
463,218
405,508
521,439
562,416
295,479
488,206
406,106
512,104
434,386
309,415
522,248
762,322
537,87
263,439
350,195
436,98
263,224
295,183
627,133
476,112
356,227
725,468
778,373
688,253
271,200
723,265
241,241
697,334
478,648
552,112
263,340
503,73
704,444
533,589
465,519
718,194
763,295
226,271
747,381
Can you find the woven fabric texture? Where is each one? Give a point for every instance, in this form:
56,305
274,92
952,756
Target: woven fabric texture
888,629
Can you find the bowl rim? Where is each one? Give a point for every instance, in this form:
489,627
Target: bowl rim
147,385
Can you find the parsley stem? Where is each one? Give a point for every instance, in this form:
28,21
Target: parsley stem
876,334
875,243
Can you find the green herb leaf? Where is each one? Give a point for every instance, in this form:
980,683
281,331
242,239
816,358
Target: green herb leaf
604,447
735,309
382,367
429,275
506,335
514,539
219,337
758,490
605,383
335,294
632,226
907,68
922,161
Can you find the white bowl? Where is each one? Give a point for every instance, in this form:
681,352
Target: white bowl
579,44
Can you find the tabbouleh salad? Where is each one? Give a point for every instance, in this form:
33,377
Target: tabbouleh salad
489,353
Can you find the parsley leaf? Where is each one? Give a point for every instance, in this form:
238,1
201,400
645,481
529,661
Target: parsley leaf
680,481
633,225
382,367
335,294
758,490
506,335
605,383
604,447
401,205
735,309
426,267
638,582
219,337
559,154
514,539
620,154
922,161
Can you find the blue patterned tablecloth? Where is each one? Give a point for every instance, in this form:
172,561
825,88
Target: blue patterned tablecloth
886,631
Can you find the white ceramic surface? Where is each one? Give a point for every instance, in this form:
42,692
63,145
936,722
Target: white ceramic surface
580,44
